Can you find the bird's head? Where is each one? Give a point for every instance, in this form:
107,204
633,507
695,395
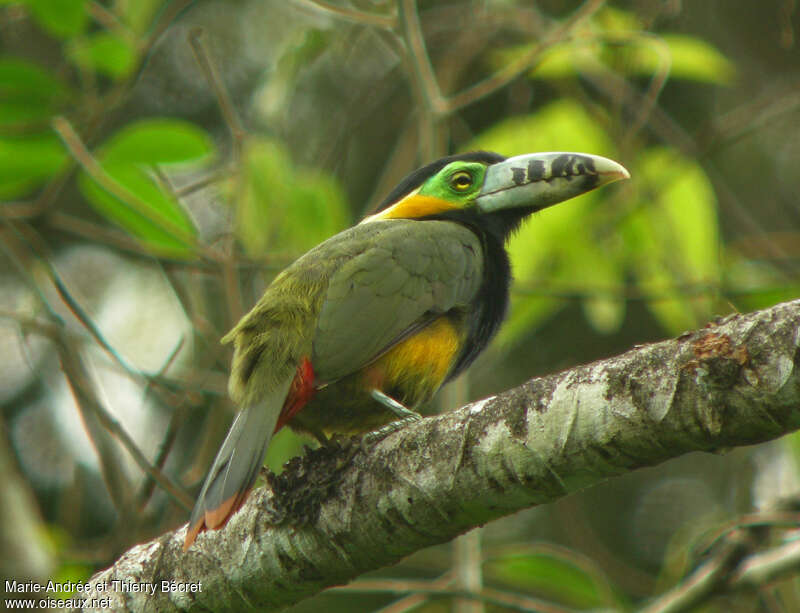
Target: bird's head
486,188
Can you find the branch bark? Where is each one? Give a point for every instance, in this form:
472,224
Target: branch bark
335,514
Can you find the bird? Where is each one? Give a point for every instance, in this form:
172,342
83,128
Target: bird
365,327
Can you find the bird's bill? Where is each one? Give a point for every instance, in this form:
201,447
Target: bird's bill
539,180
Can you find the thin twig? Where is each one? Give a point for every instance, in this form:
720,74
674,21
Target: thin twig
98,233
110,21
224,100
76,376
760,569
730,570
168,15
108,458
229,270
203,182
348,14
701,584
177,418
167,442
77,310
109,422
12,250
412,601
421,62
122,242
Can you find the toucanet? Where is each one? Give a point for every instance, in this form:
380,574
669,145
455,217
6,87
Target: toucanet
362,329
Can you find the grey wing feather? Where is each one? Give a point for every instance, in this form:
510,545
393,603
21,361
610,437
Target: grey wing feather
394,288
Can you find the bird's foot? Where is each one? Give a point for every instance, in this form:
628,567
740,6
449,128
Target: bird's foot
371,438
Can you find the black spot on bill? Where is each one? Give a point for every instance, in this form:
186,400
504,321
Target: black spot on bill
559,165
535,170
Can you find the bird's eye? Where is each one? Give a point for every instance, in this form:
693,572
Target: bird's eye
461,180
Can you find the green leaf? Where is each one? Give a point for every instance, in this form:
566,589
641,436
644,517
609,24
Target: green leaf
691,58
28,93
147,211
27,162
153,222
157,141
103,53
283,208
61,18
554,574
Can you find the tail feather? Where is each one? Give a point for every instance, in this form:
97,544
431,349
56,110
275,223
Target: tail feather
237,464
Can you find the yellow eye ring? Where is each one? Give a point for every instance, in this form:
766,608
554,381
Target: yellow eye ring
461,180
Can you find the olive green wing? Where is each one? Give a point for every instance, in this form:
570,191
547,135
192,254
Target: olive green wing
411,272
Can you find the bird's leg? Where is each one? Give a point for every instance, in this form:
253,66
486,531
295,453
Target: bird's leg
402,411
323,440
405,414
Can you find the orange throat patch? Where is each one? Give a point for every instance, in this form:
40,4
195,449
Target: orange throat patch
414,206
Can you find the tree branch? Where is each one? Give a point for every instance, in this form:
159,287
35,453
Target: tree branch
350,510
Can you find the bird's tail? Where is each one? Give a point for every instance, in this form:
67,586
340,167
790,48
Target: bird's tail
236,466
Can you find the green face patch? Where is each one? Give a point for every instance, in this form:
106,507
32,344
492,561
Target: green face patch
458,182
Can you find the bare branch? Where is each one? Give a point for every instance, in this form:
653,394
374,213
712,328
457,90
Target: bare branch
348,14
336,514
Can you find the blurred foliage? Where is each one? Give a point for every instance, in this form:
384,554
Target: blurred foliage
105,54
556,574
147,211
617,41
282,208
116,145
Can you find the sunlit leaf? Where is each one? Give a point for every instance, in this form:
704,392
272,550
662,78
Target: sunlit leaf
690,58
27,162
144,209
284,208
153,222
104,53
157,141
